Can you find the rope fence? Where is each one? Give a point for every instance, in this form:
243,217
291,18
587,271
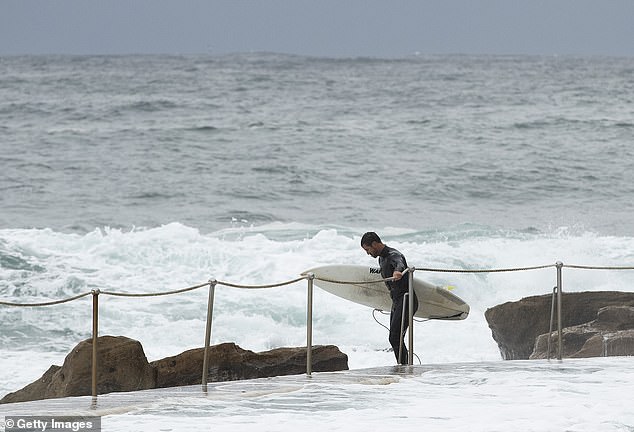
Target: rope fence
276,285
50,303
304,277
310,278
164,293
498,270
582,267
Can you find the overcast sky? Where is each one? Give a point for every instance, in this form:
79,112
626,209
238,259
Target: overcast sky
350,28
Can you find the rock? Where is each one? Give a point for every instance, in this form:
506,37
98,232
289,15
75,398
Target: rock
36,390
615,318
229,362
617,344
122,366
515,326
574,340
611,334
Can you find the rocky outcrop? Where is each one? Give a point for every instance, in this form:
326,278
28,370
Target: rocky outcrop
611,334
515,326
229,362
123,366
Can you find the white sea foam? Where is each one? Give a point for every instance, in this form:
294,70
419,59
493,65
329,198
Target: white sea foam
176,256
577,395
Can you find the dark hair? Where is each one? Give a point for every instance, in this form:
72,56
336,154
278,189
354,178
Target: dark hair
369,238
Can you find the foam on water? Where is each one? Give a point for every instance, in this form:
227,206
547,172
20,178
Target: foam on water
51,265
576,395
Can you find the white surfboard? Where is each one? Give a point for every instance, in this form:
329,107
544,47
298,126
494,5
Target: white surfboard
364,285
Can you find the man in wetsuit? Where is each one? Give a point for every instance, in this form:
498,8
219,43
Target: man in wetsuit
392,264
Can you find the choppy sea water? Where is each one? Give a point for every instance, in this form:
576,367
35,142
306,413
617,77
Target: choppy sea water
145,174
523,142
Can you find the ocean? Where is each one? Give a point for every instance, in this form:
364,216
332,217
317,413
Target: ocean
144,174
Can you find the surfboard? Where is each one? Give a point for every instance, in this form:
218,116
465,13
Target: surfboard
364,285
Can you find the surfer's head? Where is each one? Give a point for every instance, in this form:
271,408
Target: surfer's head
372,244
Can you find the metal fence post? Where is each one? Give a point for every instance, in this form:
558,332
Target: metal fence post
410,357
210,310
309,325
95,335
552,318
559,289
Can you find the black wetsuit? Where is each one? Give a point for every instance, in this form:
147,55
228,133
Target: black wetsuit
390,261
